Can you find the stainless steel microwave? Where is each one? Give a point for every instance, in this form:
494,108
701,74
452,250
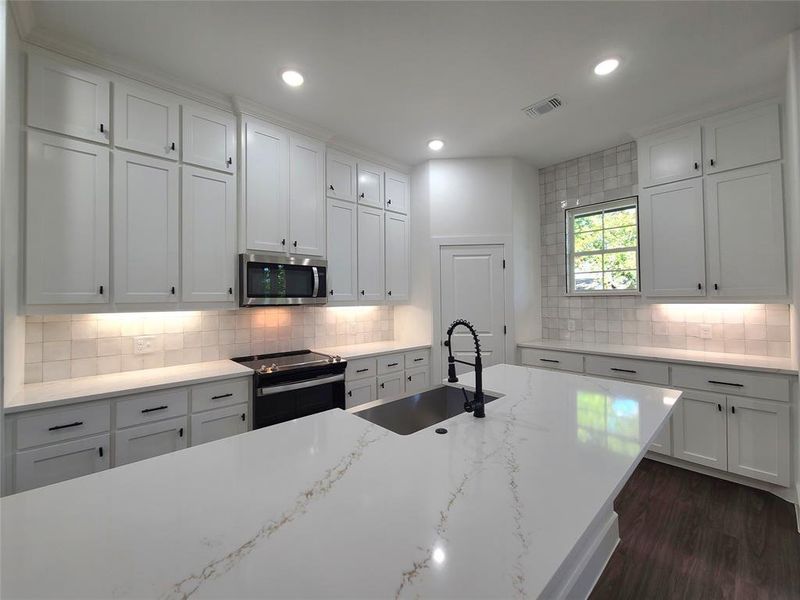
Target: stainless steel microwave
268,280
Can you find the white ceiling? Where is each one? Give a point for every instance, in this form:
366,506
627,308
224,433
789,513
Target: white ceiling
392,75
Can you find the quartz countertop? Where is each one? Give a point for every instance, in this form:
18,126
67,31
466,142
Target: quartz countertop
98,387
354,351
765,364
333,506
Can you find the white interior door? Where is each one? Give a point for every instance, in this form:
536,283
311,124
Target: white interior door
473,288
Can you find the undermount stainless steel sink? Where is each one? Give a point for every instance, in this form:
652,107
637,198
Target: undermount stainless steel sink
408,414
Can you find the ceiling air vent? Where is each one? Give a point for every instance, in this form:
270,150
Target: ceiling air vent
543,107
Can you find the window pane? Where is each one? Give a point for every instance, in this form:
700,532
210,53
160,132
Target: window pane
588,281
620,280
620,217
588,223
584,264
586,242
621,237
617,261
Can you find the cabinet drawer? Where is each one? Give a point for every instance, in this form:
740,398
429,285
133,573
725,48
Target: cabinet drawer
726,381
565,361
59,462
59,425
224,393
390,363
418,358
625,368
152,407
360,368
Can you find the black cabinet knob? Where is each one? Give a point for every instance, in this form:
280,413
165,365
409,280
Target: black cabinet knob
102,128
230,290
172,146
283,242
409,377
331,292
294,243
382,386
362,194
389,292
101,290
331,188
699,286
712,162
362,292
716,286
350,393
243,417
229,162
180,432
696,166
173,290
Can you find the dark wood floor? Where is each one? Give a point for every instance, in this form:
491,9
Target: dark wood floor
686,535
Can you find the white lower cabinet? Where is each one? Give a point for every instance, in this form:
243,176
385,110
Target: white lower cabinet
219,423
386,376
700,429
662,444
59,462
147,441
417,379
359,392
390,385
759,439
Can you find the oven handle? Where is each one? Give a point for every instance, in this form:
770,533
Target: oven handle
277,389
316,282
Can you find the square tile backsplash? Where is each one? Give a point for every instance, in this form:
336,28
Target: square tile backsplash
756,329
66,346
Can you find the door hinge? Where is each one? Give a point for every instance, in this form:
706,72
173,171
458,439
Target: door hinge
504,263
505,330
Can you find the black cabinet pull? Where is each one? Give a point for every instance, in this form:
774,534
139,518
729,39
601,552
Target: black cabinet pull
362,194
173,290
230,291
392,365
362,292
699,286
102,128
294,243
172,146
712,162
361,370
409,377
716,286
719,407
733,410
418,359
222,396
550,360
622,370
350,393
229,162
244,418
180,432
283,242
331,292
696,166
725,383
389,292
67,426
388,202
100,450
101,290
382,386
149,410
331,188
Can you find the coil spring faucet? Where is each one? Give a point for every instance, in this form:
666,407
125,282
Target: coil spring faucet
476,406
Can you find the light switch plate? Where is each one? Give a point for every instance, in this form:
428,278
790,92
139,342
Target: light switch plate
705,331
144,344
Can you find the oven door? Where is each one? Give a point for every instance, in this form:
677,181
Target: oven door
286,401
274,280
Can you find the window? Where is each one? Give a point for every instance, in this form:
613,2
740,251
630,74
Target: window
603,248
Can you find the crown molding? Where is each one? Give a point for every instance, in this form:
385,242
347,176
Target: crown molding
367,154
24,18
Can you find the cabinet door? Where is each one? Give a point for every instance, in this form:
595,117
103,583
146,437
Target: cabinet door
208,138
67,221
145,229
670,156
219,423
417,380
742,138
673,239
359,392
306,196
67,99
398,250
758,439
370,255
266,187
662,444
745,239
59,462
391,385
370,185
699,429
147,441
146,120
209,236
342,251
397,192
341,176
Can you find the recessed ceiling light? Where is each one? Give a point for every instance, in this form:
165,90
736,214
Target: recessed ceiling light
292,78
607,66
436,145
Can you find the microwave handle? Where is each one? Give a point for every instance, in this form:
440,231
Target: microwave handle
316,282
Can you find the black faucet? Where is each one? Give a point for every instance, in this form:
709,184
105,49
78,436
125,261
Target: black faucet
476,406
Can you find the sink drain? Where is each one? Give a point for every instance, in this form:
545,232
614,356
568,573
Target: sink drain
441,430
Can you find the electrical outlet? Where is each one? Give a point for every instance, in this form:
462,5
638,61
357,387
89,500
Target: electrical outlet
143,344
705,331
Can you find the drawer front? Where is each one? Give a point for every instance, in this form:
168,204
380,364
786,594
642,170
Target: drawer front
147,441
223,393
59,462
60,425
146,408
625,368
565,361
219,423
727,381
360,368
390,363
418,358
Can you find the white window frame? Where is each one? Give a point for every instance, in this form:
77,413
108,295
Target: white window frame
601,207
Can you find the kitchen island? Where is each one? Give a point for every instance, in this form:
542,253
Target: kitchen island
518,504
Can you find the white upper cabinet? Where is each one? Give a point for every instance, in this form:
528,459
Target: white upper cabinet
145,229
670,156
67,99
341,176
370,184
306,196
266,186
342,251
741,138
398,250
370,255
208,216
397,192
67,221
745,232
673,239
208,138
146,120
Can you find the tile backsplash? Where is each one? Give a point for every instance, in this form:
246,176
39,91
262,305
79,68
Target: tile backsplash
756,329
66,346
